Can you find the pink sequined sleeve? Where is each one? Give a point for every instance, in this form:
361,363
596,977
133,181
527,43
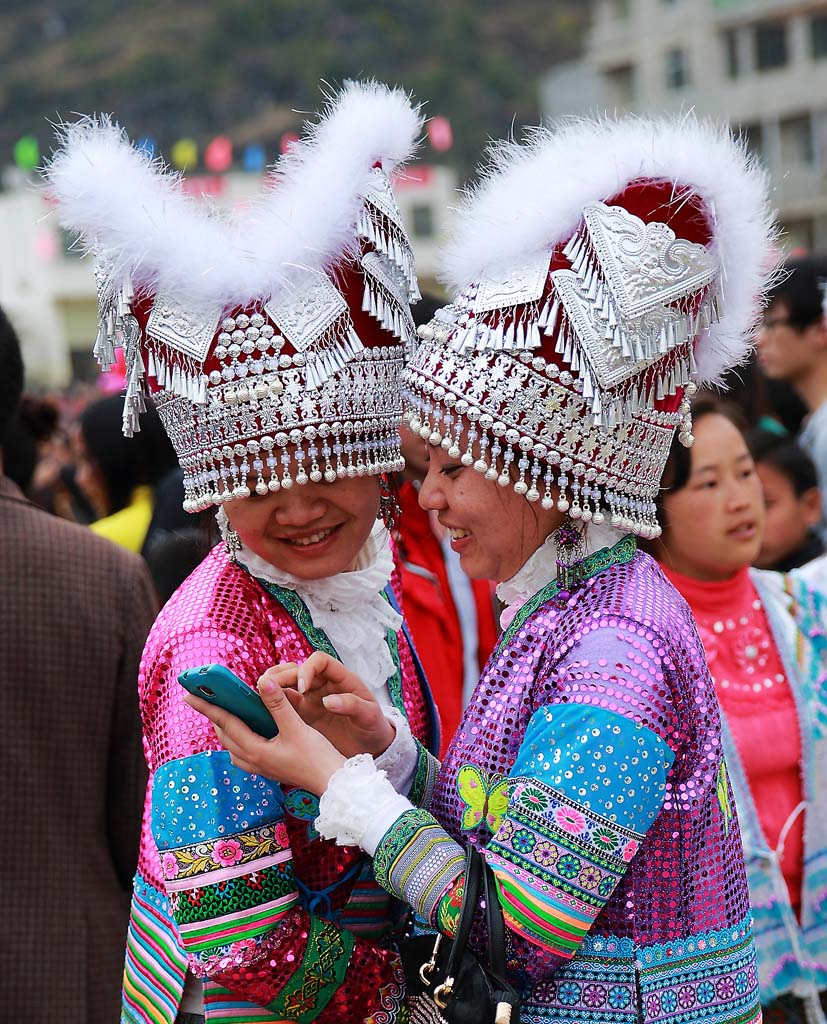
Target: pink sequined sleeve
233,879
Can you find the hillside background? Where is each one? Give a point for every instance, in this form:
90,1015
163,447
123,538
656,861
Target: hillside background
243,67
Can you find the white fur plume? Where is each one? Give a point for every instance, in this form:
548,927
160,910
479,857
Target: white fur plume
118,199
531,197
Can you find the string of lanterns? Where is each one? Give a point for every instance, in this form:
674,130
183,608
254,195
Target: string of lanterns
219,154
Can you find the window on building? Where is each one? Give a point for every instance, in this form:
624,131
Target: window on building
621,85
753,136
69,245
798,234
818,36
770,45
422,220
797,148
729,42
677,69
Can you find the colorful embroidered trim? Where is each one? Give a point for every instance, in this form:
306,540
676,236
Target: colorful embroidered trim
222,1006
424,780
710,977
225,856
556,865
320,974
417,861
706,977
368,911
614,766
391,1001
155,967
236,908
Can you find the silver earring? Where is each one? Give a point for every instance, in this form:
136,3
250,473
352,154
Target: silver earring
232,541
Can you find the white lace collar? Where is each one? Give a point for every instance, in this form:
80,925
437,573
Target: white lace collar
349,607
540,568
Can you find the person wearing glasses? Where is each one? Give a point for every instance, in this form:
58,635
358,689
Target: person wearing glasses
792,346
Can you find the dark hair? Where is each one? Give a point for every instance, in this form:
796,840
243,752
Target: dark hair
760,398
785,455
125,462
11,374
678,466
801,290
34,420
423,310
173,556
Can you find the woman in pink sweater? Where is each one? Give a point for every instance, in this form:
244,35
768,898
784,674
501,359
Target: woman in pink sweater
764,636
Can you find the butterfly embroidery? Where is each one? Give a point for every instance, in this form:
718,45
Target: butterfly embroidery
722,788
485,800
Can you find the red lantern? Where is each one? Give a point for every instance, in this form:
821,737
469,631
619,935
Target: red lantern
218,156
439,134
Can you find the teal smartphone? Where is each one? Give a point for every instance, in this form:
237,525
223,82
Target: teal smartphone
218,685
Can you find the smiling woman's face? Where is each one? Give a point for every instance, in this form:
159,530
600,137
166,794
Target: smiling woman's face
714,524
493,529
311,530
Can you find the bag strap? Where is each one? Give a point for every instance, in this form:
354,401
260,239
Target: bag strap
479,876
470,902
494,920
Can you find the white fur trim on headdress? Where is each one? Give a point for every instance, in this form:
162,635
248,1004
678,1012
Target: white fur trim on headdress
130,206
532,197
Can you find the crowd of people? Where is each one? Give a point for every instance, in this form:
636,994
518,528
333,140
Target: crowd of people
536,572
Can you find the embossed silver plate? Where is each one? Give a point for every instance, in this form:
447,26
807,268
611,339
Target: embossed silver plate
305,313
608,365
189,331
646,266
380,268
515,287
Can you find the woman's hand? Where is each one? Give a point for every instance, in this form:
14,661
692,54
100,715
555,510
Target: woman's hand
299,756
335,702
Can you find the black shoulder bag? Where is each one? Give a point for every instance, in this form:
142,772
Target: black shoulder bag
446,983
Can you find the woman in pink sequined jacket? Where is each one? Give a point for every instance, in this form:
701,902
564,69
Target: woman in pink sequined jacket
273,346
588,765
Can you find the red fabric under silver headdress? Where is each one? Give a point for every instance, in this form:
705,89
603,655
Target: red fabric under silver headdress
272,342
601,272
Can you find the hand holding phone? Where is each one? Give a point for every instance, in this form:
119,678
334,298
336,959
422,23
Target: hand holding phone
221,687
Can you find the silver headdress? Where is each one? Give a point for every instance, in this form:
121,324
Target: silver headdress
272,343
613,265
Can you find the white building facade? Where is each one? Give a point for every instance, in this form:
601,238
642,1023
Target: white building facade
759,64
48,291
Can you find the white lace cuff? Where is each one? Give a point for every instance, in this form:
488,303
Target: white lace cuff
399,760
358,796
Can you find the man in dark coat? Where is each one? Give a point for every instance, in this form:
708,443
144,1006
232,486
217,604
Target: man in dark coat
74,614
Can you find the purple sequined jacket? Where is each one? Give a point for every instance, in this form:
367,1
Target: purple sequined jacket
589,765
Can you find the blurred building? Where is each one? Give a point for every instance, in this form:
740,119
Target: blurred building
49,291
760,64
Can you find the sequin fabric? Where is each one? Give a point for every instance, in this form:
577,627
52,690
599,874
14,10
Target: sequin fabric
232,879
617,852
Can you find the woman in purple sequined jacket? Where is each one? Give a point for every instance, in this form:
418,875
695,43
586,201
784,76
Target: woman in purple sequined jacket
273,345
613,265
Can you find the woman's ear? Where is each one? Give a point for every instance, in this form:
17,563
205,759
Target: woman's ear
811,507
